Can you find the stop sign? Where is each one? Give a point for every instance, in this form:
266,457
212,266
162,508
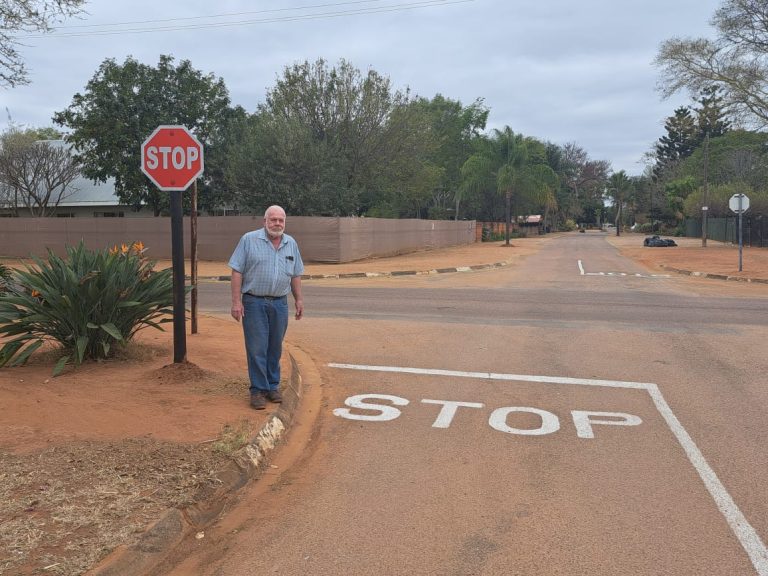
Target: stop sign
172,157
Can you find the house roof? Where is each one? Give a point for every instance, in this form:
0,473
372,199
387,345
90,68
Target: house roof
85,192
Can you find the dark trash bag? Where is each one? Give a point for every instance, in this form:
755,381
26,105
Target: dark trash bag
656,242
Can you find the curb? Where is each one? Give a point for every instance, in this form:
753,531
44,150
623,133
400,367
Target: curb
176,524
716,276
376,274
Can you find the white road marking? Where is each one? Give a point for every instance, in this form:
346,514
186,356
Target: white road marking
740,526
636,275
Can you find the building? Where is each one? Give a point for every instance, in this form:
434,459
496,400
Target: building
84,198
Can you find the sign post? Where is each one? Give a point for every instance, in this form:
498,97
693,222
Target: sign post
739,203
173,158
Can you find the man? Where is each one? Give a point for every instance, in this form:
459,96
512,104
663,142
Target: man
266,265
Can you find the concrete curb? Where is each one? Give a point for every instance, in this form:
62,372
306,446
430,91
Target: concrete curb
377,274
716,276
176,524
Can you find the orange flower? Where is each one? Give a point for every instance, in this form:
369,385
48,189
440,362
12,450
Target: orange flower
36,294
138,246
124,249
113,250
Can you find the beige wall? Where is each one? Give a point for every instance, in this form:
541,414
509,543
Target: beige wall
320,239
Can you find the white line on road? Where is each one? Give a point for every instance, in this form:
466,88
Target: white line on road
740,526
636,275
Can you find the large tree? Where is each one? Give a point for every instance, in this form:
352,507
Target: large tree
583,178
332,140
453,127
34,173
27,16
736,61
522,172
678,143
121,106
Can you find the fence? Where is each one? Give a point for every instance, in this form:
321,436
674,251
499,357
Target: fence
754,229
333,240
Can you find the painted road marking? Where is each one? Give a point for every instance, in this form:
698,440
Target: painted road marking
583,273
740,526
550,423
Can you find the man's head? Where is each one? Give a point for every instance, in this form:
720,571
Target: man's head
274,221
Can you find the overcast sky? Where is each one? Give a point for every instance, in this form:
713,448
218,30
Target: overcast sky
559,70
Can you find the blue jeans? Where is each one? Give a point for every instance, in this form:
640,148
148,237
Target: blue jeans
264,325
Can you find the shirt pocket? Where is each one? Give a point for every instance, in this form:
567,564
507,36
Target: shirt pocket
288,264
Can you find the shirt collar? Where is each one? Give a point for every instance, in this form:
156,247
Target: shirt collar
262,233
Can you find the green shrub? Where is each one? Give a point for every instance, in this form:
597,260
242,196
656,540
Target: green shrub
85,302
569,225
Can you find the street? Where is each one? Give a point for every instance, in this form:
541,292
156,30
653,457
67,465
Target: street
568,415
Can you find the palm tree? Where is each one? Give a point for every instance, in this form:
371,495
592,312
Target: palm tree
521,172
619,188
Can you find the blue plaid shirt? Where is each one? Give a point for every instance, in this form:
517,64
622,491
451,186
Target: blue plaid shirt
266,271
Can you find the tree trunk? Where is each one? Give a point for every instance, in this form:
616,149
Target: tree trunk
508,198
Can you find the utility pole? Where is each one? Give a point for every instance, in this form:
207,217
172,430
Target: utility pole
705,206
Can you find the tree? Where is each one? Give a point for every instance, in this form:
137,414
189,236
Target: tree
122,105
452,126
735,61
35,174
27,16
710,115
679,142
523,170
583,178
618,190
333,141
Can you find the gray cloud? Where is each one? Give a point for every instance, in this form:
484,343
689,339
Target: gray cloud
558,70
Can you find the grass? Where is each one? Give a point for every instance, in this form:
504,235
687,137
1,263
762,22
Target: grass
101,494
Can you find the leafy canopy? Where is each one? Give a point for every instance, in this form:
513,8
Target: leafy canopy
121,106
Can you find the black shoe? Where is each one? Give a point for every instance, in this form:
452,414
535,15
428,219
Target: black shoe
274,396
258,402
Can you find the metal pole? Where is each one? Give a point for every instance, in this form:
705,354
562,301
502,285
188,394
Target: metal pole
741,198
193,257
706,191
177,257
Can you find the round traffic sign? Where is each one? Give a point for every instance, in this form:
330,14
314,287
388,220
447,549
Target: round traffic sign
172,157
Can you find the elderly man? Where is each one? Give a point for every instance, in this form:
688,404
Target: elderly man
266,265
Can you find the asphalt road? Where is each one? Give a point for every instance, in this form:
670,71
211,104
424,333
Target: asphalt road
571,415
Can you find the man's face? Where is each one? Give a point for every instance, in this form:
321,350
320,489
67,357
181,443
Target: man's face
274,222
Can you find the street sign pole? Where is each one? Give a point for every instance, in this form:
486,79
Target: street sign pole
741,212
172,158
177,262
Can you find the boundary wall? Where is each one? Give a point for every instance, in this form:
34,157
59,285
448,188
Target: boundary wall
321,239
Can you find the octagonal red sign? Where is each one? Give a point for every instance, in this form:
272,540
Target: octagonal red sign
172,157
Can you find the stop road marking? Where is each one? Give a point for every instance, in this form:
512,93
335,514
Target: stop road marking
744,531
583,420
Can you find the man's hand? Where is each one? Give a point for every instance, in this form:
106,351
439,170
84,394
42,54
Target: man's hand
237,311
299,309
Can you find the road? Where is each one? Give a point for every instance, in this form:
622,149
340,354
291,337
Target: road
570,415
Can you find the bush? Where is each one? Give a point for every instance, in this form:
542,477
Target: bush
86,303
